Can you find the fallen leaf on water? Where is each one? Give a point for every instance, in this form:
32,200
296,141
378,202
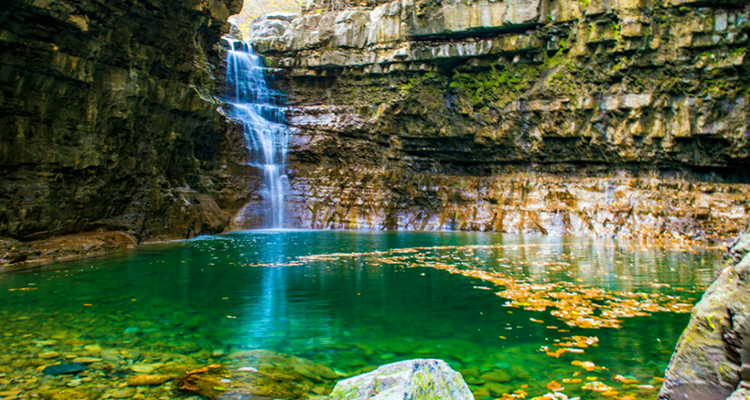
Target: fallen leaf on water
597,386
645,386
622,379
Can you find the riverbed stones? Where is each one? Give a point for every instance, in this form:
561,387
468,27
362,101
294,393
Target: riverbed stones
497,376
48,354
147,380
419,379
143,368
86,360
76,393
93,348
124,393
65,368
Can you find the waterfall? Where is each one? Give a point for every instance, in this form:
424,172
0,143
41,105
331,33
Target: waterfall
261,112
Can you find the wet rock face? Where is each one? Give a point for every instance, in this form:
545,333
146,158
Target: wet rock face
109,119
625,205
712,358
456,91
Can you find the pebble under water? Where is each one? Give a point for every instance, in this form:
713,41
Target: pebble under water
288,313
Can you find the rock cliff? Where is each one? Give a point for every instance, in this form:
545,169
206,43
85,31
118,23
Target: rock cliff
712,358
109,121
612,118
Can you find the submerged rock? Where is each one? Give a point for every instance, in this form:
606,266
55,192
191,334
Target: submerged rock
48,354
78,393
712,358
413,379
124,393
67,368
147,380
204,381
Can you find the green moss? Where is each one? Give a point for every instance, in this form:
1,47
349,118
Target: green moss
615,31
406,88
492,85
717,89
738,52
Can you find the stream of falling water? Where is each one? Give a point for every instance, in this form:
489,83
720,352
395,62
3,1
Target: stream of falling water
261,112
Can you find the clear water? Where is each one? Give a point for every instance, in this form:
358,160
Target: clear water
261,112
352,301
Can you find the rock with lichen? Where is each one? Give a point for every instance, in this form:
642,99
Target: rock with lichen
712,358
420,379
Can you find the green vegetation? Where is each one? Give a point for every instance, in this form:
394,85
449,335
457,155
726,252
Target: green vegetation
717,89
616,31
492,85
738,52
406,88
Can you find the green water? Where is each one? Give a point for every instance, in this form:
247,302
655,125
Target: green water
215,299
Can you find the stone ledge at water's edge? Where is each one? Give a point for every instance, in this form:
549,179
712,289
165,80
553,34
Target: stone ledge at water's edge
109,123
712,358
625,118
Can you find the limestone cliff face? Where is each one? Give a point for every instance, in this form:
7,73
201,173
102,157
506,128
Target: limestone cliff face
109,119
627,117
712,358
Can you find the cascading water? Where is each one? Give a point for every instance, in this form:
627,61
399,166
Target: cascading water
261,111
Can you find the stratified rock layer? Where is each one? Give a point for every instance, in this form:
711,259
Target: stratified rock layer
712,359
108,120
421,379
606,205
588,117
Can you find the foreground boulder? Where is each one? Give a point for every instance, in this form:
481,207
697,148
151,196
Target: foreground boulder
712,359
419,379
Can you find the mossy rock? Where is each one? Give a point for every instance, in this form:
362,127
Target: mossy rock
420,379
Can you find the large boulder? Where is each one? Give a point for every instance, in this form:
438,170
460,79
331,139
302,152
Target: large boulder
419,379
712,359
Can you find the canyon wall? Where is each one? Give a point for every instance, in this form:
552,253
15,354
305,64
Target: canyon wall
109,122
596,117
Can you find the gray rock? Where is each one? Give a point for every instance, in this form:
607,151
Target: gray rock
419,379
713,354
740,394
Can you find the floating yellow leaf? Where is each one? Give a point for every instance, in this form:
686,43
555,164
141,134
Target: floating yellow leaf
555,386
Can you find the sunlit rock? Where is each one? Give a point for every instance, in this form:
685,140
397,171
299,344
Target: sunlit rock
419,379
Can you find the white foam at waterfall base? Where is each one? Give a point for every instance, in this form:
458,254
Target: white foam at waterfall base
261,112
